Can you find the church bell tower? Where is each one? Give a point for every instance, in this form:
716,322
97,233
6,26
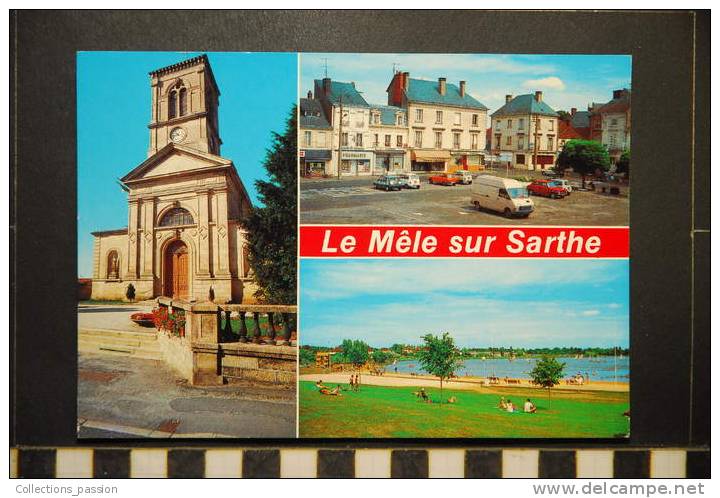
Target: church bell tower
185,107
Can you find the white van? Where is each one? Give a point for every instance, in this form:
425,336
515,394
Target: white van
503,195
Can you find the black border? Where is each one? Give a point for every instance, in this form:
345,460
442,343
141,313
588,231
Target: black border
670,352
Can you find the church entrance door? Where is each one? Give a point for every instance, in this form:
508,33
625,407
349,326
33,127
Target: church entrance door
176,271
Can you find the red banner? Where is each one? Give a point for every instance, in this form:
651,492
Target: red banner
350,241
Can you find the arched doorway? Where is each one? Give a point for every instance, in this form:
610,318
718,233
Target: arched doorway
176,271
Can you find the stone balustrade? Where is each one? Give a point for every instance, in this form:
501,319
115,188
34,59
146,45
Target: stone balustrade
219,353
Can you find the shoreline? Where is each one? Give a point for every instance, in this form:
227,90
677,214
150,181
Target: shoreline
468,383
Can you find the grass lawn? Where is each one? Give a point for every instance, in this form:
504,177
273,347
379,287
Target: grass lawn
378,411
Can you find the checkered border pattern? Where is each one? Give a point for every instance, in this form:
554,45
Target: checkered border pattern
361,463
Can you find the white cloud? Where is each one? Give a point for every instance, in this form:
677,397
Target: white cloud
549,83
590,313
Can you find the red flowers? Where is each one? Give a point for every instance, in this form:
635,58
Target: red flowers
173,323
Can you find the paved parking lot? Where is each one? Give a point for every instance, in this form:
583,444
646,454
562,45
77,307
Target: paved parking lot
355,201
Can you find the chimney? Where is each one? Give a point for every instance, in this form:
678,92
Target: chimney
462,88
573,111
508,98
441,86
309,95
538,96
406,81
353,84
618,94
327,85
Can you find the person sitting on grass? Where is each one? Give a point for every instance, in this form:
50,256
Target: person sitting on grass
424,395
510,407
319,384
529,407
503,403
331,392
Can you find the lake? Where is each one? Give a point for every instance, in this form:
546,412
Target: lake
602,368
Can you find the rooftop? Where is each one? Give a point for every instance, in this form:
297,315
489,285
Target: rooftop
428,92
388,113
312,115
200,59
348,92
525,104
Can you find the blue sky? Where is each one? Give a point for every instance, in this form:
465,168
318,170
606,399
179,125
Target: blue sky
481,302
113,111
566,80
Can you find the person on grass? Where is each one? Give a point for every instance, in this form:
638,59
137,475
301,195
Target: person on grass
529,406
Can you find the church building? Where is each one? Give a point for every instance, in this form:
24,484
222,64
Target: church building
184,237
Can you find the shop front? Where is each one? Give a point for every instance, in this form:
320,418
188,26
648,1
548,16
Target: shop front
430,160
389,160
467,162
356,163
314,162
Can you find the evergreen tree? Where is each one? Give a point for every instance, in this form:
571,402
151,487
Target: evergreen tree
272,227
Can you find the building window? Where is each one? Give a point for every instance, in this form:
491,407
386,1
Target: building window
172,104
497,125
521,142
418,115
521,123
552,125
456,140
550,141
438,140
346,119
388,140
475,119
458,118
508,140
399,141
358,140
438,117
183,101
176,217
344,139
113,266
307,138
509,123
613,122
418,139
376,118
497,141
399,120
376,142
474,140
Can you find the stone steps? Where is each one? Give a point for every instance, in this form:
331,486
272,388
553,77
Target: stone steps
119,343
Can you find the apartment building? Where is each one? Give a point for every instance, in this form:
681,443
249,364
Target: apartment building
527,127
446,125
315,136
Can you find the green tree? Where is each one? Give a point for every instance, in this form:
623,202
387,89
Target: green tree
584,157
381,357
440,357
564,116
355,351
130,292
623,164
307,357
547,373
272,227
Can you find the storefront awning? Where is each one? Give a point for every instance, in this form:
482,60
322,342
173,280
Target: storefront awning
431,156
317,155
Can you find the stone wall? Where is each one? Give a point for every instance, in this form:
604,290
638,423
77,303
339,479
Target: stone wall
254,362
177,353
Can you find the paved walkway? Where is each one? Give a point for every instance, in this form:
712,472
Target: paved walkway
123,397
111,317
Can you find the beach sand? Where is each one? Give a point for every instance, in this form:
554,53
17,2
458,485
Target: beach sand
471,383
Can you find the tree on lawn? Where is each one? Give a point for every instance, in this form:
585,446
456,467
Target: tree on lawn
355,351
547,373
381,357
440,357
272,227
623,164
584,157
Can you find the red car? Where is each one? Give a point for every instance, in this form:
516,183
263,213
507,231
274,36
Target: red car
444,179
547,188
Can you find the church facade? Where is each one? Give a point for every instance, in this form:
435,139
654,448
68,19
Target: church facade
184,237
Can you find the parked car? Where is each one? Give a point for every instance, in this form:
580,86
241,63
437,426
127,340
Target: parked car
547,188
409,180
551,173
561,182
443,179
464,177
387,183
503,195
